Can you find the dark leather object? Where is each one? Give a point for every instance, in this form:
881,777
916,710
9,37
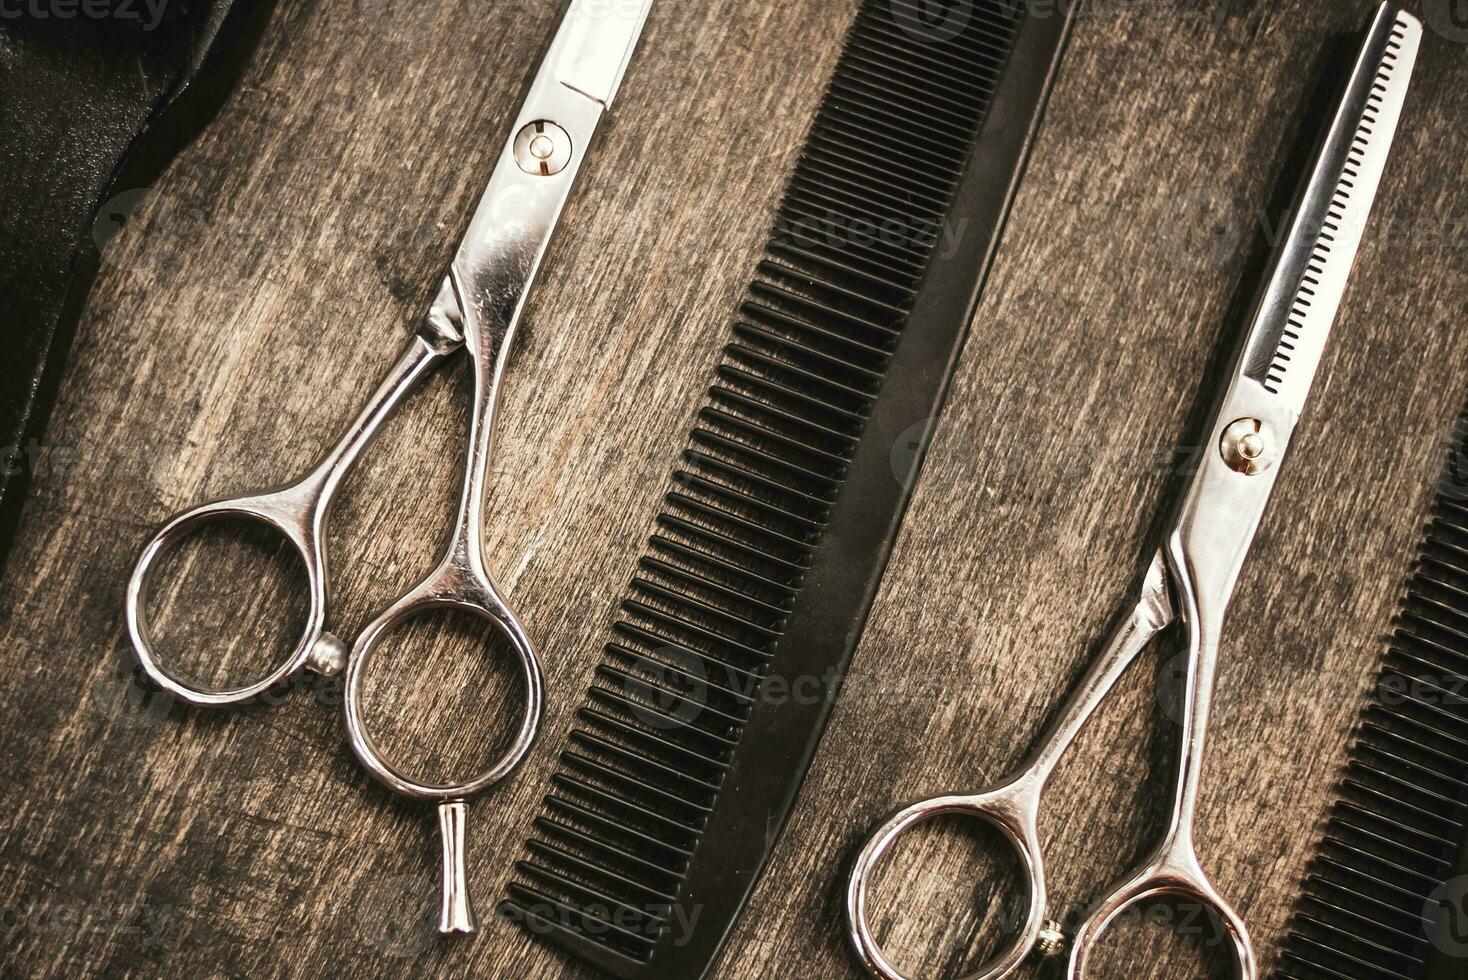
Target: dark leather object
96,96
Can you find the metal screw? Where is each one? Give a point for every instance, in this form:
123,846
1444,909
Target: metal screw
542,148
1051,941
1251,446
1248,446
328,656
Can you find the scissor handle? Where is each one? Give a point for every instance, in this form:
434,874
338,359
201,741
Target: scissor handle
296,514
1014,806
1203,584
1172,872
1014,810
448,588
458,584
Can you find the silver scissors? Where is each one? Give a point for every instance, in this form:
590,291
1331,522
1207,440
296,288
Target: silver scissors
477,308
1193,574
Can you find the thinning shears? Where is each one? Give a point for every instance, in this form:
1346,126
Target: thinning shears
1193,573
477,308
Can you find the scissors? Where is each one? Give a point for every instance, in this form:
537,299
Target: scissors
477,308
1194,571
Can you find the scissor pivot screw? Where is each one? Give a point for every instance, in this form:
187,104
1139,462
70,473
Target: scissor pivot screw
328,656
1248,447
1051,941
542,148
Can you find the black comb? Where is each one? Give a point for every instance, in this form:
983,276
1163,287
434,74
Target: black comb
718,679
1386,897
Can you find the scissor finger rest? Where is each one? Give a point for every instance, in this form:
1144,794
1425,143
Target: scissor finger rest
449,588
1012,809
290,512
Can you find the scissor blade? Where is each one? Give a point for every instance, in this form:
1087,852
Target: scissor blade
501,252
1302,294
596,43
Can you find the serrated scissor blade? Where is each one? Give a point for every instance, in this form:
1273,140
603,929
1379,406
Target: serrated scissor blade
1307,279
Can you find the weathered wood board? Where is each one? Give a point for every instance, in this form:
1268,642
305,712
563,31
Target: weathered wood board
257,295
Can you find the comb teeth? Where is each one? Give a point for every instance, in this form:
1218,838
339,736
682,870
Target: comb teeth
1380,900
767,459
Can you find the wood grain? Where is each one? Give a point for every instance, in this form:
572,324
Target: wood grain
253,299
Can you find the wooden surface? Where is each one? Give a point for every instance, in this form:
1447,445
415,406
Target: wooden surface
254,299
